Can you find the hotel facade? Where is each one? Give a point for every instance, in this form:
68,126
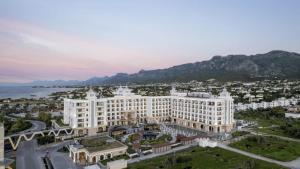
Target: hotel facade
200,111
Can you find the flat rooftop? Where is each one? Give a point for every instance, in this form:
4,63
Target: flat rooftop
100,143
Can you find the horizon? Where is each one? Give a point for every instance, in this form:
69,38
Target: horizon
36,81
43,40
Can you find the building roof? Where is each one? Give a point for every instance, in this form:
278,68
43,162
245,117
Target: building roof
94,144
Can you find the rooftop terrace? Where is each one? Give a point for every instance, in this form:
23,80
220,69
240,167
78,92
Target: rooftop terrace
94,144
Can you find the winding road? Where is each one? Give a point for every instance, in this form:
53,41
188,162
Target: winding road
36,126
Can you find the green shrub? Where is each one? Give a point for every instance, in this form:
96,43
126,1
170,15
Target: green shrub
42,140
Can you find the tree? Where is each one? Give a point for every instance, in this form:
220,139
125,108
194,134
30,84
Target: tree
19,125
42,140
45,117
52,106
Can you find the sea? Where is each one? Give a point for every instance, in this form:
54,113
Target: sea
16,92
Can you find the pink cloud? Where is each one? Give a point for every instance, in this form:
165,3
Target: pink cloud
37,53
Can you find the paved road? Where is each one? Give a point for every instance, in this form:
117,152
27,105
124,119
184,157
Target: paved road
27,158
36,126
62,161
292,164
59,160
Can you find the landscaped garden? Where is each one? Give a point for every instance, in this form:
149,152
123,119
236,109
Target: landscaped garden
160,140
198,158
271,147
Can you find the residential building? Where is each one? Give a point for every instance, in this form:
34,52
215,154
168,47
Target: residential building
283,102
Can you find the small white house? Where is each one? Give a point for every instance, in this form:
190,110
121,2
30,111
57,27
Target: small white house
292,115
207,143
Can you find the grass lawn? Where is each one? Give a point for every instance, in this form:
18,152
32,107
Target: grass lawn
271,147
272,130
239,133
273,121
203,158
263,122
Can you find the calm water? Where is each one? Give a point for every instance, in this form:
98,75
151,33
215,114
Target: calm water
16,92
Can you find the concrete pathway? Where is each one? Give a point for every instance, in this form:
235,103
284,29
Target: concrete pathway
295,164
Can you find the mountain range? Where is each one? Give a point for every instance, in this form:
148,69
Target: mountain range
274,64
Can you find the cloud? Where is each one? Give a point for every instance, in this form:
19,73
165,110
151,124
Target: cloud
35,40
38,53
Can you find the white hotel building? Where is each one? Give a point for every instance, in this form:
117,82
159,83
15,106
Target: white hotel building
195,110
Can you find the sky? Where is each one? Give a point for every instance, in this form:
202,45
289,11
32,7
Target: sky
80,39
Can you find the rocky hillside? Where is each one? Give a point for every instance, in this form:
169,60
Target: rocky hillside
274,64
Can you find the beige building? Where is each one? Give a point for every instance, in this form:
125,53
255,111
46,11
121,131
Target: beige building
200,111
90,150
